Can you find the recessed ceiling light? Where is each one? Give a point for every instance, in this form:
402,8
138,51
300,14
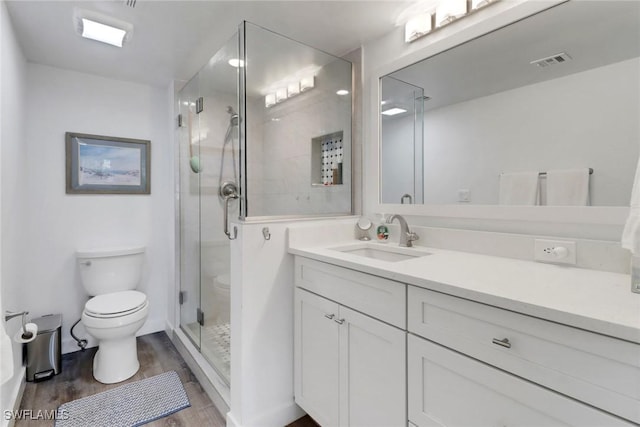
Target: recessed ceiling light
235,62
342,92
383,102
102,33
394,111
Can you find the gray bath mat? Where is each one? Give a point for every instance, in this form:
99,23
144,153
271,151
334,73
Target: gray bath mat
129,405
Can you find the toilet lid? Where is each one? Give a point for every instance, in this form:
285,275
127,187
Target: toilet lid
116,303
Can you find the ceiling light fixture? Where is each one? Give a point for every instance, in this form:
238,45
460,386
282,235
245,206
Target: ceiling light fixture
103,33
342,92
236,62
393,111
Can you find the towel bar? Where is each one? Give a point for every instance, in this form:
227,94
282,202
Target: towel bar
545,174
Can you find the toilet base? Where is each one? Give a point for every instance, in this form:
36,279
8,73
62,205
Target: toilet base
116,360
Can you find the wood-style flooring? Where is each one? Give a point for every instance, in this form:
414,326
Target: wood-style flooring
157,355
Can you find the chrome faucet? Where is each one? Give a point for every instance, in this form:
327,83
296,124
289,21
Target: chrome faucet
407,237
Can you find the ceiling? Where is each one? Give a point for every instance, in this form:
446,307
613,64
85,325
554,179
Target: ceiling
172,40
594,33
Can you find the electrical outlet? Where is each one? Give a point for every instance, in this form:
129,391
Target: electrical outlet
555,251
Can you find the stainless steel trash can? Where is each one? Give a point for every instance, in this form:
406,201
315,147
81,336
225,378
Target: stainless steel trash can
44,359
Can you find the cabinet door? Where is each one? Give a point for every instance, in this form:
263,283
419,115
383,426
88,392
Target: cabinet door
372,372
448,389
316,347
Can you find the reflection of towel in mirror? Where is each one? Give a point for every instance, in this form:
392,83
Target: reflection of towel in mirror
519,188
568,187
630,235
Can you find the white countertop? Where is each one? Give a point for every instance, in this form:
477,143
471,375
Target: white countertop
593,300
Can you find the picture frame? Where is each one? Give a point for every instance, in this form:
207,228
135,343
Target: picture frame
98,164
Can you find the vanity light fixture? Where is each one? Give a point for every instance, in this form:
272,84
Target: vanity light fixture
270,100
236,62
417,27
307,83
425,20
103,33
281,94
393,111
287,88
477,4
342,92
450,10
293,89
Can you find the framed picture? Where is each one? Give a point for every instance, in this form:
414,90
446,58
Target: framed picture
107,165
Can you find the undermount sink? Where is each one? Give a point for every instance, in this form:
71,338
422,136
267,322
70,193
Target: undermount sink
383,253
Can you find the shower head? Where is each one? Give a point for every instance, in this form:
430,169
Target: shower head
235,119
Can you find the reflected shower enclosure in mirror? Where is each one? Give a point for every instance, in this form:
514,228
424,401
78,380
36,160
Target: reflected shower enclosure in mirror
491,107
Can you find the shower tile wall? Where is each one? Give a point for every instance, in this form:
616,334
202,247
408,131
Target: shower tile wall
285,153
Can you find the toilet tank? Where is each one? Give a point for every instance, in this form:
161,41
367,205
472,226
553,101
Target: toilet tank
103,271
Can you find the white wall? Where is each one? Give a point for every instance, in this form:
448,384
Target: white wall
13,164
587,119
262,328
59,224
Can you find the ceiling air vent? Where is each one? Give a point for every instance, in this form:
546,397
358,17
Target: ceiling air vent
130,3
558,58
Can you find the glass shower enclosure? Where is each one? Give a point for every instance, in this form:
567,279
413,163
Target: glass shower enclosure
264,132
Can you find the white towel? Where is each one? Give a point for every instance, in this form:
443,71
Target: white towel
6,355
630,235
568,187
518,188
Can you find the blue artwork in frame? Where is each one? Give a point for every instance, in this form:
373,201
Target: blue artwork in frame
107,165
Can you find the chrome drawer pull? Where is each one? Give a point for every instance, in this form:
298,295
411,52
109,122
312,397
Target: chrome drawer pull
329,316
339,321
503,342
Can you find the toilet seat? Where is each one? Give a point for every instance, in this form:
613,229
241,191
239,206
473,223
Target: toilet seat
116,304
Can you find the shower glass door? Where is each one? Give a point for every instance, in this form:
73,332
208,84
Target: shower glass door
209,181
189,196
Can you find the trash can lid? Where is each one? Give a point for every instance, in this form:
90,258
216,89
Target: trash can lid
48,323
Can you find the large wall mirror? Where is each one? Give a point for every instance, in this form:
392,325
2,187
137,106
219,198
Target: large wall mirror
451,124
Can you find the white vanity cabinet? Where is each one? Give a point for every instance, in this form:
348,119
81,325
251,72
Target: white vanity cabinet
462,357
350,368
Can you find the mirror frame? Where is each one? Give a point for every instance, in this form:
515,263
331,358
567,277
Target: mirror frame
480,23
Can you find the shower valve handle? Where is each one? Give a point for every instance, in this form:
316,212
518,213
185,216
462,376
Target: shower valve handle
227,199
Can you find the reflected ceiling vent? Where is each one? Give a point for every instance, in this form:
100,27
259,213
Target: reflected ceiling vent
558,58
130,3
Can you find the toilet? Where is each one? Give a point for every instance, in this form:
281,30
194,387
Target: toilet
116,310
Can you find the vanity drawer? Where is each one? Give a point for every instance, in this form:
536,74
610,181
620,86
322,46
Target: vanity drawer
448,389
593,368
377,297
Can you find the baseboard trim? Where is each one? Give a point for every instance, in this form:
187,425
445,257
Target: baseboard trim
282,416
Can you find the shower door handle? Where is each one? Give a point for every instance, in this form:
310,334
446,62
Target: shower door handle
227,199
